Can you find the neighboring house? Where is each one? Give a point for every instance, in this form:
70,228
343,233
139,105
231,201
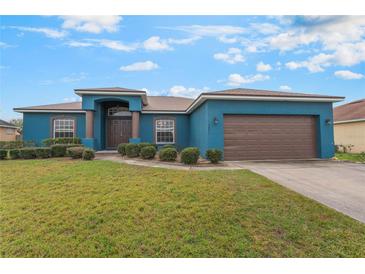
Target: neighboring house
8,131
350,125
243,123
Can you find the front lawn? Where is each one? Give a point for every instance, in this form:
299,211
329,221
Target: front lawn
352,157
64,208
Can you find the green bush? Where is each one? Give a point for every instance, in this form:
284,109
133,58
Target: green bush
64,141
16,144
43,152
58,150
132,150
121,149
190,155
88,154
168,146
148,152
145,144
27,153
214,155
14,154
168,154
3,154
75,152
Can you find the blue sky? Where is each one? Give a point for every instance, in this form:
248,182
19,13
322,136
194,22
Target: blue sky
43,58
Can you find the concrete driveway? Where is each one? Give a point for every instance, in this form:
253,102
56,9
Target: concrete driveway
338,185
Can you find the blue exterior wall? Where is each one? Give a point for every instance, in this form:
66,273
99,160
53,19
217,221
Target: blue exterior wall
217,108
199,128
38,126
146,128
90,102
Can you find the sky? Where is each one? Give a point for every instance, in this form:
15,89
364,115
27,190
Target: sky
44,58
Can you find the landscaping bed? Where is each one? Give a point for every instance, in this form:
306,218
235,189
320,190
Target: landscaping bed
71,208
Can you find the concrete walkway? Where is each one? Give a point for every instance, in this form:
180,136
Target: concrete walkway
339,185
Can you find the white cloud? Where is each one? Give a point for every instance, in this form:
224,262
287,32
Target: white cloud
79,44
237,79
348,75
285,87
51,33
183,41
316,63
4,45
140,66
265,28
72,99
263,67
228,40
116,45
186,92
74,77
210,30
156,43
92,24
232,56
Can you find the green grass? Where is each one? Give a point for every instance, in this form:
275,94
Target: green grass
64,208
352,157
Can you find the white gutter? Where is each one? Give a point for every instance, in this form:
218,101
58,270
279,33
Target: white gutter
9,126
126,93
162,112
350,121
203,98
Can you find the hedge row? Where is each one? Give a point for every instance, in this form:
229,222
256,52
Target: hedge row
189,155
60,150
65,140
15,144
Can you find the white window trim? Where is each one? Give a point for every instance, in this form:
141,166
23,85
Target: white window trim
173,131
69,119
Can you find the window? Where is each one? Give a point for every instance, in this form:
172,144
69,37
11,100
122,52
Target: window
165,131
63,128
10,131
119,111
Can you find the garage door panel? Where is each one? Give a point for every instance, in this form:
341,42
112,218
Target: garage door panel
269,137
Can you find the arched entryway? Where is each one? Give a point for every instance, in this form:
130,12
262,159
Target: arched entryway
118,123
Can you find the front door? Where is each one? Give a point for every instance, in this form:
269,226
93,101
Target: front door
118,130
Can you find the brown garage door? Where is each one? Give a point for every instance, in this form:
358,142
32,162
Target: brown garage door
260,137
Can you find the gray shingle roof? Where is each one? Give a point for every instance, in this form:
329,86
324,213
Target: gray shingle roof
6,124
351,111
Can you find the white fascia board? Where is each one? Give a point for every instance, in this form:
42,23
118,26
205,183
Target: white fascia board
203,98
125,93
350,121
49,111
9,126
162,112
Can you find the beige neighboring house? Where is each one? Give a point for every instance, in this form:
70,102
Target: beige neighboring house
349,125
8,131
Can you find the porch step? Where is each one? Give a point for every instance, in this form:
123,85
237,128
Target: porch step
106,153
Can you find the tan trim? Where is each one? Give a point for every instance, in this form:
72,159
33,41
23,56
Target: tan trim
89,124
350,121
135,124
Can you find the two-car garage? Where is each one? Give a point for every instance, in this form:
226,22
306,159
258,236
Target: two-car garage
262,137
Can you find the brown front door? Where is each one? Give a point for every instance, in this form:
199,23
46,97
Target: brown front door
262,137
118,130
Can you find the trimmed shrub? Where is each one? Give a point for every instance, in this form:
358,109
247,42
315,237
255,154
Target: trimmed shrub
145,144
16,144
214,155
58,150
190,155
64,140
43,152
3,154
121,149
132,150
75,152
168,146
14,154
148,152
88,154
168,154
27,153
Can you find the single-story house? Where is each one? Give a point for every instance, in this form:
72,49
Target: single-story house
349,120
243,123
8,131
